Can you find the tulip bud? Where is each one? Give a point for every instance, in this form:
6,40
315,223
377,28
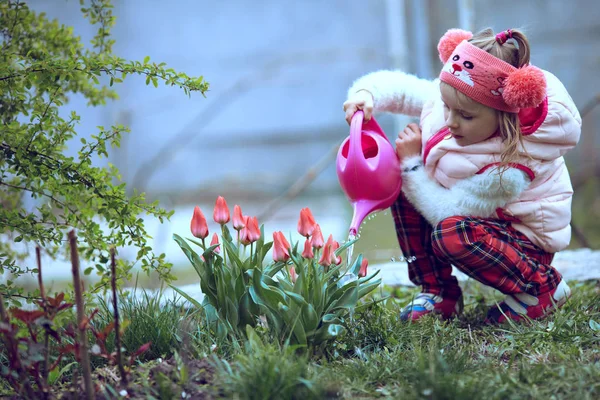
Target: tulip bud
337,260
326,257
363,267
221,212
306,223
215,240
251,232
238,218
199,227
317,238
254,230
280,247
308,251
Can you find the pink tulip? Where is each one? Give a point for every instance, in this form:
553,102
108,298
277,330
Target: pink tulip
221,212
215,240
238,218
293,274
199,226
363,267
337,260
245,231
280,247
317,238
251,231
254,230
306,223
327,255
308,251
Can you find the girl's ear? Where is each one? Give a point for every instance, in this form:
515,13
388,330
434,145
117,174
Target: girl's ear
525,87
450,40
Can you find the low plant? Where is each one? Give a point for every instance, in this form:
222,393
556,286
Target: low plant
267,371
147,318
298,297
35,345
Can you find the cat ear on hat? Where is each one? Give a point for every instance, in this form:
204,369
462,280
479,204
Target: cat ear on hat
451,39
525,87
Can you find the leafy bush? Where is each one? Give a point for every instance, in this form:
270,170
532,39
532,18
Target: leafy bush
42,65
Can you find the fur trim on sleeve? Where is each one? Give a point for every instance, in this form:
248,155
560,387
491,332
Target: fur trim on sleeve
396,91
477,196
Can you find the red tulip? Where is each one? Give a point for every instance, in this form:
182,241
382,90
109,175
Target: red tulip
244,232
363,267
198,226
254,230
221,212
280,247
308,251
238,218
306,223
317,238
337,260
251,232
326,257
215,240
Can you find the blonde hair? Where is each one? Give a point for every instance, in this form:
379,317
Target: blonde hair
515,52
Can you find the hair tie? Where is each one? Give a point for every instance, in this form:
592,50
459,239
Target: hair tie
503,36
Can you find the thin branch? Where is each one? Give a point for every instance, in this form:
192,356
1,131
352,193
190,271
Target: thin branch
92,148
50,101
38,256
108,71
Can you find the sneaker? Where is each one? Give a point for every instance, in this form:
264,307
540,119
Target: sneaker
427,303
518,305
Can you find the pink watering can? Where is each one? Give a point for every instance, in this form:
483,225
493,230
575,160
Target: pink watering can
368,169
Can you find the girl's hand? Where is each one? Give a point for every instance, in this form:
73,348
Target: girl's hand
408,143
361,100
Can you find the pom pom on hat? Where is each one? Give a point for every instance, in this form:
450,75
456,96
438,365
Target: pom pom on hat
525,87
450,40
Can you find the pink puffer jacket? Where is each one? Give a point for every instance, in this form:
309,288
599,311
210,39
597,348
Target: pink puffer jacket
543,211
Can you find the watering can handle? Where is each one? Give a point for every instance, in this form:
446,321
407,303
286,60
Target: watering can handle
355,148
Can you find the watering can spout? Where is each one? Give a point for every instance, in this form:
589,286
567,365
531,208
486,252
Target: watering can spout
362,208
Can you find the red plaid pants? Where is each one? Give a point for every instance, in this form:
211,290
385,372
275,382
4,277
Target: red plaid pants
488,250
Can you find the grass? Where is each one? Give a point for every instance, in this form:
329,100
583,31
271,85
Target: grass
379,357
163,322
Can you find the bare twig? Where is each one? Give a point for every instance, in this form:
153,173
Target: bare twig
113,271
302,183
81,320
38,256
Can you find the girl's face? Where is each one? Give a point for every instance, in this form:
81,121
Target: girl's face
469,122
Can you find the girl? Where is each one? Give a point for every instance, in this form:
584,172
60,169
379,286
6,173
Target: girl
485,186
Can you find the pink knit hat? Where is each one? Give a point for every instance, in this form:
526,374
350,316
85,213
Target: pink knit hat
487,79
